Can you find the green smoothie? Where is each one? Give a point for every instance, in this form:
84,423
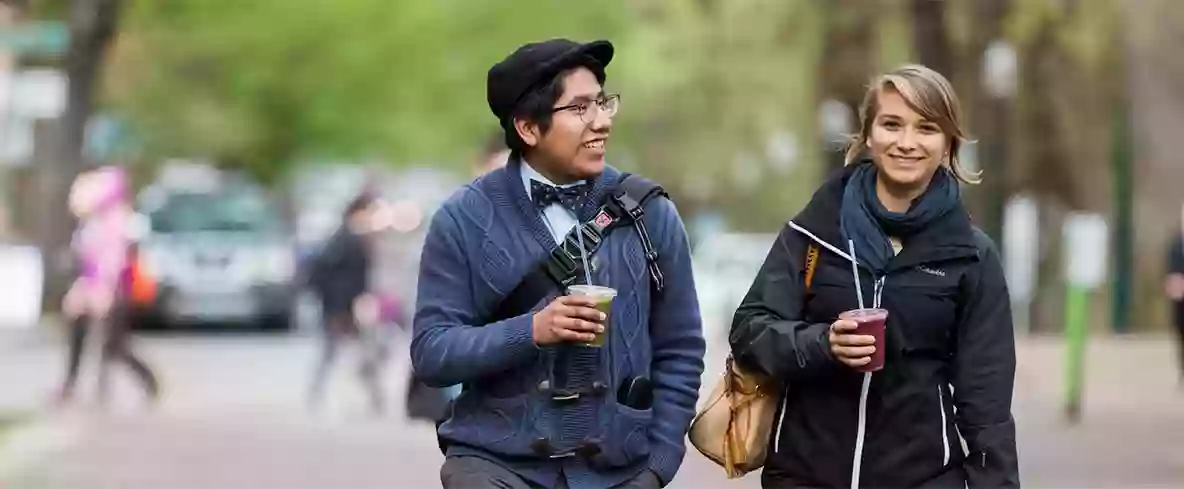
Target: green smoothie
604,303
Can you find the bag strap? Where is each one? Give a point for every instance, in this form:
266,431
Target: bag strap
563,266
812,253
631,196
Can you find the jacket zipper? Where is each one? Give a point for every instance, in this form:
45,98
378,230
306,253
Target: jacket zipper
780,422
945,437
878,292
861,431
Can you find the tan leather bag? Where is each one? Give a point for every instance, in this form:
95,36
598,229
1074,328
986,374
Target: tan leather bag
734,426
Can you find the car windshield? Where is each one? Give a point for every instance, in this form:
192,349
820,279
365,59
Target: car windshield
214,212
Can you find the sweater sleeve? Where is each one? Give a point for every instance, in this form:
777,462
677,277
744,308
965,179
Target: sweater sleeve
676,332
449,346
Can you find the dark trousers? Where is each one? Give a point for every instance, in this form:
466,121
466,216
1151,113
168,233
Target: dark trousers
116,348
477,473
341,326
1178,319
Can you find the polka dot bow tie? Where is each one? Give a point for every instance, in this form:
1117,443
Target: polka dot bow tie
544,195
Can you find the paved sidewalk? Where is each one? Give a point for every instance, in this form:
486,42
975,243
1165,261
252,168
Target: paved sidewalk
1132,431
235,428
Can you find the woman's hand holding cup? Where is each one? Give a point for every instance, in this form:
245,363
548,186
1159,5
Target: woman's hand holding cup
852,349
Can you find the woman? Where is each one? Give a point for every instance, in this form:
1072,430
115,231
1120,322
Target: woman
949,352
98,297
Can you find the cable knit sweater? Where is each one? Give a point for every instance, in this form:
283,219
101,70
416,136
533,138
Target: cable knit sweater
482,241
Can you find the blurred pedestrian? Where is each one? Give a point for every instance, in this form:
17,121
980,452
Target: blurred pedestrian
867,407
98,302
428,403
558,393
1174,287
493,155
340,277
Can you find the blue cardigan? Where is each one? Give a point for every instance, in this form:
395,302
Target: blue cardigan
482,241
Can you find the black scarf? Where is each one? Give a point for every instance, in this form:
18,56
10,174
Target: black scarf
864,219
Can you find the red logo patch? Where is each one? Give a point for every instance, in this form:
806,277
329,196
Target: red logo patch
602,220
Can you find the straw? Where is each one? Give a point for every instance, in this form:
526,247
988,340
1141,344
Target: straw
583,254
855,272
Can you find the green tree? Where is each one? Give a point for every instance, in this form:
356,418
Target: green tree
721,104
260,85
92,25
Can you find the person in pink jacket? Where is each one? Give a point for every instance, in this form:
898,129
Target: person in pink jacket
102,246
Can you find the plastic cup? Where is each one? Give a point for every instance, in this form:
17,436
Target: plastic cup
604,303
870,322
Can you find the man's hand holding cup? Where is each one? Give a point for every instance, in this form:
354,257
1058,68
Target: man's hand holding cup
568,318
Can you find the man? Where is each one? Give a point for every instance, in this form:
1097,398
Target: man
539,409
1174,287
341,277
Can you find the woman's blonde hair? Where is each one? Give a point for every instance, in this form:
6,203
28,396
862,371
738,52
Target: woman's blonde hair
931,95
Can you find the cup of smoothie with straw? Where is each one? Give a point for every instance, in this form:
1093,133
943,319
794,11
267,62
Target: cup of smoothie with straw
870,321
603,296
604,303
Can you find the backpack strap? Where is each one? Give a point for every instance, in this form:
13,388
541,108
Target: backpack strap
563,266
630,198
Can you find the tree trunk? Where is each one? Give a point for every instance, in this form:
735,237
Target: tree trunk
930,39
848,60
1155,72
1065,134
92,26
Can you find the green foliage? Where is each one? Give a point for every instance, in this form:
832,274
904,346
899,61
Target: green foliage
266,84
47,9
261,84
1088,31
895,35
714,81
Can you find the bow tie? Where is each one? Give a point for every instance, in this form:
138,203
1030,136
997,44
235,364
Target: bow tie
544,195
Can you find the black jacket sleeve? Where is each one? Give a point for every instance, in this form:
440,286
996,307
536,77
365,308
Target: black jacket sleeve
768,333
1176,254
984,375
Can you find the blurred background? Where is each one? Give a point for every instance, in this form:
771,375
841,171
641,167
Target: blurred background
249,126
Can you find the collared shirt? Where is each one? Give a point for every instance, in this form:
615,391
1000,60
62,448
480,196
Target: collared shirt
559,219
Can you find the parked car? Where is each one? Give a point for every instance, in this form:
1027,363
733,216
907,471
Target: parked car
217,255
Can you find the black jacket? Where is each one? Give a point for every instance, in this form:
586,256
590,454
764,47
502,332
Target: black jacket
1176,254
949,368
340,273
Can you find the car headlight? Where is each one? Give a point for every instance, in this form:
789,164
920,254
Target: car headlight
156,263
278,265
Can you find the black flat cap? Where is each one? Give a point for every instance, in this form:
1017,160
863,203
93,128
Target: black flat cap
535,64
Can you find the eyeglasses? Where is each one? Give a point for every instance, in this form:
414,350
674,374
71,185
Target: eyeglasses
607,104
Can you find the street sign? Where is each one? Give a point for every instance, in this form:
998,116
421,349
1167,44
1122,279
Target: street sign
1021,235
1086,237
1021,256
22,271
36,38
38,93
